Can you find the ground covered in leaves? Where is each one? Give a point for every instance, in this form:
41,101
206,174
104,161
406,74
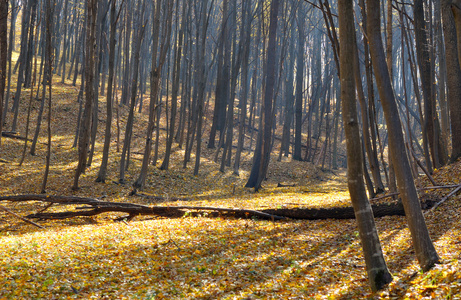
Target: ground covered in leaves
196,256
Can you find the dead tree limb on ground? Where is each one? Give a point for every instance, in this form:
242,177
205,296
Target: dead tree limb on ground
91,207
455,191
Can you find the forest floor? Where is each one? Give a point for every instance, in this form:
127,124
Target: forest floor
198,256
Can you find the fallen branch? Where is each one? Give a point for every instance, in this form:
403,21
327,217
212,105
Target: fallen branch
13,135
22,218
444,199
438,187
421,189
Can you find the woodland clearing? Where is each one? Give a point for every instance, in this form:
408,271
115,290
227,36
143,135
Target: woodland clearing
197,256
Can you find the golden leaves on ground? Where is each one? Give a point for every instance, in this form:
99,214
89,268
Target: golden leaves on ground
201,257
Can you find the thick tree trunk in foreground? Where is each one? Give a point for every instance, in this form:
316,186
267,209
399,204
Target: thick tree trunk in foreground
378,274
424,248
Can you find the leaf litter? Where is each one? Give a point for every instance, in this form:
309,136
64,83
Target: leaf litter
198,257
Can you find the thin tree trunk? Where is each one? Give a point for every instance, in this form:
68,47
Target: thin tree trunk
201,80
84,134
372,158
22,60
31,97
299,86
174,96
10,45
3,57
107,136
155,83
266,131
49,78
124,161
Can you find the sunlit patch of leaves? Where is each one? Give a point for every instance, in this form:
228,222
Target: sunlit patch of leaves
197,257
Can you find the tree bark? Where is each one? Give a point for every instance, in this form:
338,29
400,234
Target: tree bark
378,274
426,71
156,70
84,134
174,95
299,86
452,34
49,78
424,248
138,37
3,56
107,136
259,174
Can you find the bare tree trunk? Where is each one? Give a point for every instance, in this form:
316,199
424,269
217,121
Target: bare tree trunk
371,155
10,44
299,86
84,134
289,96
174,96
258,175
138,37
246,36
43,97
126,67
422,51
444,124
107,136
31,97
222,81
201,80
3,57
155,82
453,38
49,79
22,60
378,274
424,248
64,44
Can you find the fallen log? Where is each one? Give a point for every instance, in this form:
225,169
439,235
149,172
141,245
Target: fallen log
280,184
13,135
92,207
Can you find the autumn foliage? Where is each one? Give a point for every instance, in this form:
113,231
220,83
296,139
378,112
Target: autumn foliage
200,256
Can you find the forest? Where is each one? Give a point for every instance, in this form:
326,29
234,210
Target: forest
230,149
